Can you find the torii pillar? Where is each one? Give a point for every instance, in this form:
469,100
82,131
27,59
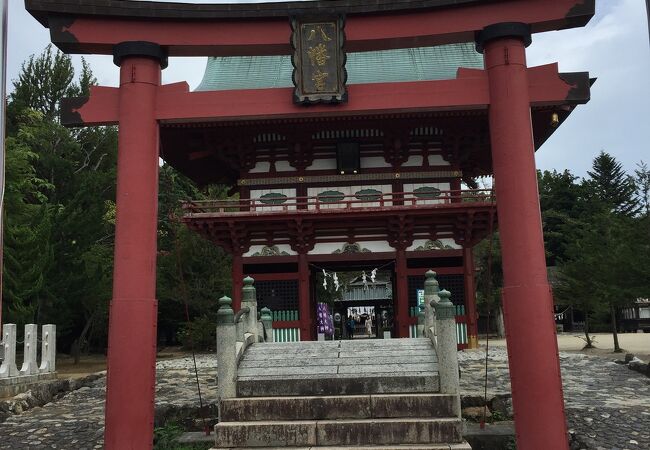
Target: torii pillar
537,398
131,377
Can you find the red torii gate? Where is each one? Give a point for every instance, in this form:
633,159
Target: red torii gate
141,35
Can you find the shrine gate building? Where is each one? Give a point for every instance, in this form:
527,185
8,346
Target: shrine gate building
381,190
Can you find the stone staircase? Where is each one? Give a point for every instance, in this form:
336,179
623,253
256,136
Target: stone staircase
368,394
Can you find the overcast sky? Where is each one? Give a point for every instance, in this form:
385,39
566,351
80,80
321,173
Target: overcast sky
613,47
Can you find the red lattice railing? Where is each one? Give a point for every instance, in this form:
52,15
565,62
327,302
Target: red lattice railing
338,202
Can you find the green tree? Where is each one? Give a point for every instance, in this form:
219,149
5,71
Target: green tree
190,270
489,279
602,273
561,203
642,180
27,227
600,270
609,187
47,78
60,185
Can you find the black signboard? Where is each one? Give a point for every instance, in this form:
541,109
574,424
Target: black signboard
318,60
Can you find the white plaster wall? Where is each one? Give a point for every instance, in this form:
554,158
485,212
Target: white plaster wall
446,241
438,160
323,164
260,167
329,248
289,192
413,161
258,248
284,166
373,162
417,161
410,187
265,166
376,246
326,248
349,190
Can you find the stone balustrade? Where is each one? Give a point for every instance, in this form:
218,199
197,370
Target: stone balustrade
440,327
235,332
431,289
14,380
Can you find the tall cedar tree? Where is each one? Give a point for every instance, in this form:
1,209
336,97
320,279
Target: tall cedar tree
561,203
610,187
191,271
601,270
642,179
60,223
60,185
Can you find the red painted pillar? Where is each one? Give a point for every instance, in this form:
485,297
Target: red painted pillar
470,297
530,329
304,299
132,325
237,280
402,304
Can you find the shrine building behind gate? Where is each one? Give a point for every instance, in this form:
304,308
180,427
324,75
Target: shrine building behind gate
343,193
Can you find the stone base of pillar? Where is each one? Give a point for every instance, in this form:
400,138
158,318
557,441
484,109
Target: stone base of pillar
22,383
472,342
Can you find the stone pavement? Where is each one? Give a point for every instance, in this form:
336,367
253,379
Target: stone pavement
76,420
608,405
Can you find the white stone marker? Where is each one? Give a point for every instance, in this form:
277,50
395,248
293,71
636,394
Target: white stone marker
8,367
48,349
30,367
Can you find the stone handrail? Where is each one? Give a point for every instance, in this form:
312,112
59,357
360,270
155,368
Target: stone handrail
30,371
235,332
431,289
440,326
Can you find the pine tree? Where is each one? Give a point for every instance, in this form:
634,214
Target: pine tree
562,203
643,187
611,188
60,187
43,81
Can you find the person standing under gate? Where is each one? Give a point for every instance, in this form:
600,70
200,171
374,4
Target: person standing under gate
369,326
350,326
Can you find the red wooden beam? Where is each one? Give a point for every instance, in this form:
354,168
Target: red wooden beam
469,91
98,25
273,276
438,270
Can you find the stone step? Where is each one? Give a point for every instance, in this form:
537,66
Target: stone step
311,368
337,407
460,446
360,383
251,361
335,433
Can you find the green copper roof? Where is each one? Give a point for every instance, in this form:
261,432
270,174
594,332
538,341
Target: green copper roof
406,64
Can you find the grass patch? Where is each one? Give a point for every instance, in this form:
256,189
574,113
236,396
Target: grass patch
165,439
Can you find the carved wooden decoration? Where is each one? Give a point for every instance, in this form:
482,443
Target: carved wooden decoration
318,59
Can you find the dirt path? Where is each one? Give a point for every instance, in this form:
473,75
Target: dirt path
636,343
